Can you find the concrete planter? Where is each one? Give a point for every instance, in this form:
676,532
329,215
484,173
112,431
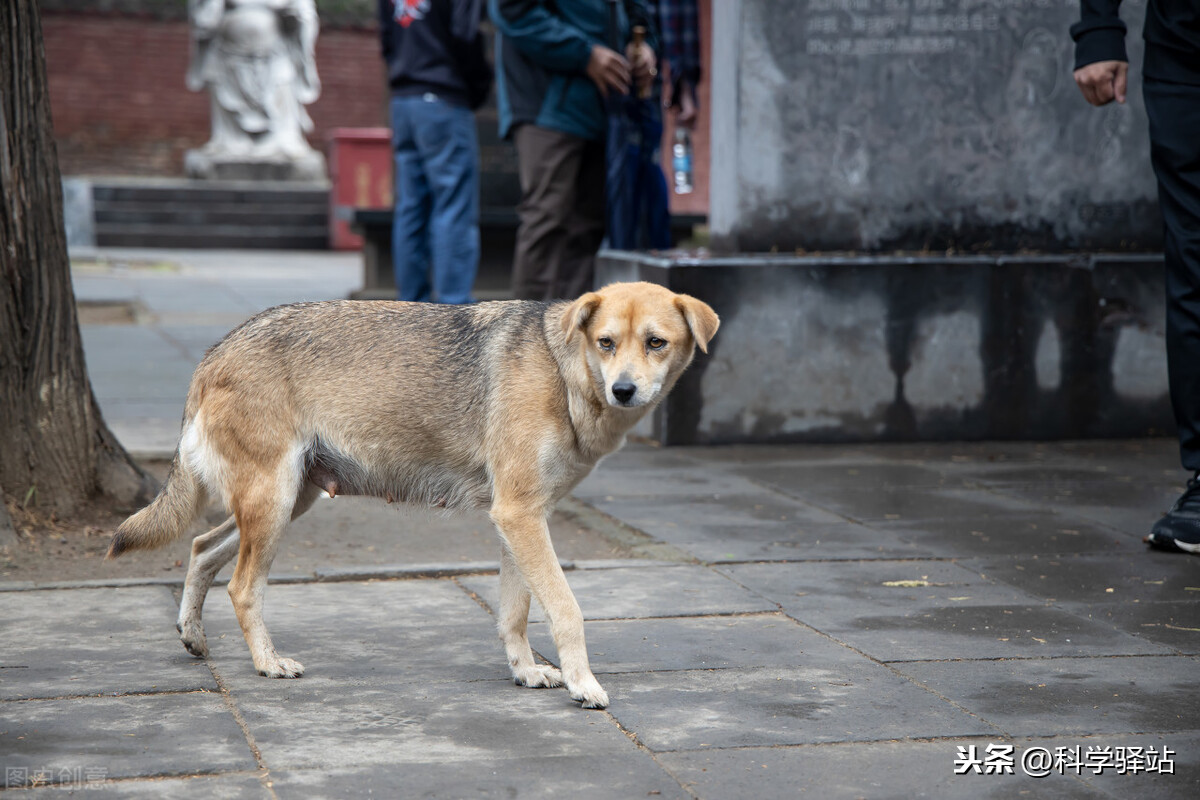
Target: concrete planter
877,348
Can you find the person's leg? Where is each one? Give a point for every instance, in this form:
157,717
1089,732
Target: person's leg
447,143
410,220
585,227
1174,113
549,163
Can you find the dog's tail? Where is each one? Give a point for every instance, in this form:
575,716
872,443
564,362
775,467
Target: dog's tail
167,516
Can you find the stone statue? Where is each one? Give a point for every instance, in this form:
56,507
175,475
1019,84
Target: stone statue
255,57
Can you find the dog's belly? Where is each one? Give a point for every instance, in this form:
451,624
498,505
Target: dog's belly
441,482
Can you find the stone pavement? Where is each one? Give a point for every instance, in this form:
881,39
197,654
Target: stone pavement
816,621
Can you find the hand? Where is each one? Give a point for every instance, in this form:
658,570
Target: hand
644,68
1103,81
609,70
685,117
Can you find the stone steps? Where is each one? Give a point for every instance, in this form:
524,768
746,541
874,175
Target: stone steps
210,215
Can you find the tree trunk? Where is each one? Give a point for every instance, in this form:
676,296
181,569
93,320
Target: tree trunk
55,449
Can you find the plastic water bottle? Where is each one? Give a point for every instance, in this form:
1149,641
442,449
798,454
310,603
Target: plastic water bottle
681,161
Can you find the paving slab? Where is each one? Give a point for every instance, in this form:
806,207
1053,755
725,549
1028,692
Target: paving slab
666,481
1130,507
1040,534
317,724
902,770
362,634
93,641
803,480
698,709
194,339
1143,576
828,543
929,610
1173,624
761,527
890,503
525,775
1180,782
165,294
204,787
680,591
654,645
124,737
1041,697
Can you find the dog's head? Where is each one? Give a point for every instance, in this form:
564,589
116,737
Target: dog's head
638,338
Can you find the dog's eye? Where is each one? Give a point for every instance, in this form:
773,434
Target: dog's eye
605,343
655,343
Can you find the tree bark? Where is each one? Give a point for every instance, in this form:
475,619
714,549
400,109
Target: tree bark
55,449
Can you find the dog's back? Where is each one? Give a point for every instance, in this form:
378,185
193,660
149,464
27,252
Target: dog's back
388,399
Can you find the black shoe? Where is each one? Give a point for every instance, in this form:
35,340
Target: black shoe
1180,528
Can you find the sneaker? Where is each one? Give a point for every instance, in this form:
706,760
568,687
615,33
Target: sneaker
1179,529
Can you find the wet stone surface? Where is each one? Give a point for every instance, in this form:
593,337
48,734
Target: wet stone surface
836,623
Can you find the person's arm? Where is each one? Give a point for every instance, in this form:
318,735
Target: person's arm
465,18
541,36
680,22
385,28
645,62
1101,65
1100,34
556,45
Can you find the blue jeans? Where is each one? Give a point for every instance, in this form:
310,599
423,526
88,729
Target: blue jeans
436,222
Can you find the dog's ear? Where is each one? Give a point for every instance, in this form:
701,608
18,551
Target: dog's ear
701,319
579,312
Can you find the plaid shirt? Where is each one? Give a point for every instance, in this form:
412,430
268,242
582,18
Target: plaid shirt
679,32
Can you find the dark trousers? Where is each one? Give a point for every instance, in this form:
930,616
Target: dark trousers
561,214
1174,112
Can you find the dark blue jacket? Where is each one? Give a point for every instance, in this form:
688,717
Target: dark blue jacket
542,53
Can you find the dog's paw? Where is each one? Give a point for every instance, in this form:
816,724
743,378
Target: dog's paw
537,677
587,690
282,668
192,636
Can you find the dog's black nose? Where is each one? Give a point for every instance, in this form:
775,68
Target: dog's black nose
624,391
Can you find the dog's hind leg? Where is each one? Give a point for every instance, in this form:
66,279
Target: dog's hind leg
514,619
263,511
210,552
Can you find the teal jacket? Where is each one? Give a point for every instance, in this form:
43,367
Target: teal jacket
542,52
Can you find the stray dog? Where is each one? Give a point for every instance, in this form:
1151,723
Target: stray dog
505,406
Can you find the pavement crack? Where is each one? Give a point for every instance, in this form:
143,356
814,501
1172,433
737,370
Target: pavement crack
474,596
637,543
264,775
104,695
640,745
1051,657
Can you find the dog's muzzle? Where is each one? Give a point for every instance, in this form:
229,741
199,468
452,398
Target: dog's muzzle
624,391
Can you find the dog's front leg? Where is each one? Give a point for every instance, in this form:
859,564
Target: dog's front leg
527,538
513,623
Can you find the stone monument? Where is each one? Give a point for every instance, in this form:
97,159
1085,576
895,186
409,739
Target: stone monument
255,58
921,125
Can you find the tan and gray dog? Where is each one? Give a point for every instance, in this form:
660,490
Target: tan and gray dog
504,406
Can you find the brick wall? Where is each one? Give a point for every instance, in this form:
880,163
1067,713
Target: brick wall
120,105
